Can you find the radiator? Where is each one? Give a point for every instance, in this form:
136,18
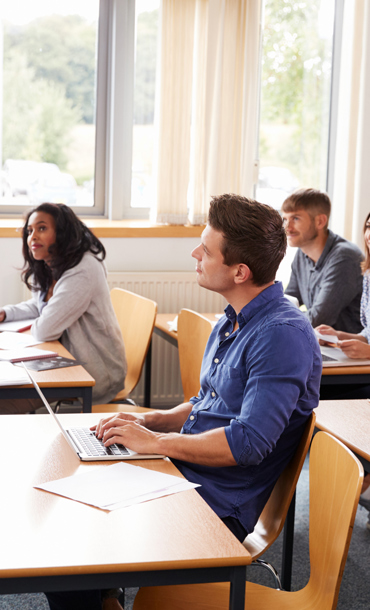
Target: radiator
171,291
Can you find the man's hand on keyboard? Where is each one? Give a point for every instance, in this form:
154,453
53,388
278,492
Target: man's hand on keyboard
116,420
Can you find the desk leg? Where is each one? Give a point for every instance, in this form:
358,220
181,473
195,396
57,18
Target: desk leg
86,395
148,376
237,588
288,540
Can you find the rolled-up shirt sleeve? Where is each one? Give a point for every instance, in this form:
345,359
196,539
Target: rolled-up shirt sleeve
276,382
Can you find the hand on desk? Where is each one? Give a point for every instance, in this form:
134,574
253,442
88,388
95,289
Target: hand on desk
127,429
2,315
116,420
355,349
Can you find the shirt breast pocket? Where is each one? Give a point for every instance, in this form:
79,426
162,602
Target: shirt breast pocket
229,385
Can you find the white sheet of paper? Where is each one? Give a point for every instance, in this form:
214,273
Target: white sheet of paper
116,486
27,353
173,325
12,375
327,338
15,326
11,340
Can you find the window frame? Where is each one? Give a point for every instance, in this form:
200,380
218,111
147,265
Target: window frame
114,117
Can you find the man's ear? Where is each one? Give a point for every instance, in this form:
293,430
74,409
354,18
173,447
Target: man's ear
321,221
242,274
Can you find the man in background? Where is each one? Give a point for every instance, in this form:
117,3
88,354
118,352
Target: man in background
326,271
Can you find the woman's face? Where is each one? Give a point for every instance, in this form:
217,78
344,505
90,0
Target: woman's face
41,235
367,233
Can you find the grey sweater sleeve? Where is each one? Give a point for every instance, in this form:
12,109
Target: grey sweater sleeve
71,298
339,286
22,311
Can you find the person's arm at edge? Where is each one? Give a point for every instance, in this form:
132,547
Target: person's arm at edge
335,293
21,311
159,432
341,334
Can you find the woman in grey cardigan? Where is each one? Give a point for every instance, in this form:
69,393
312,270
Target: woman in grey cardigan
71,302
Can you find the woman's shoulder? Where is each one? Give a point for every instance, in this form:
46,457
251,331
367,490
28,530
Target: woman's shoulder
88,265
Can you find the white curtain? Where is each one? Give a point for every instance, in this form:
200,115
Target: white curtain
351,194
207,112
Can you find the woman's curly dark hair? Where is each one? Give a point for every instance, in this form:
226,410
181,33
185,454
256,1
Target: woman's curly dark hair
73,239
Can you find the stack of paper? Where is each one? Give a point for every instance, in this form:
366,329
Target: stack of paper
28,353
117,486
17,327
10,340
12,375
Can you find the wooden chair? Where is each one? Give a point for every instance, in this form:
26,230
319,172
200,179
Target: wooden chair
272,518
136,317
193,331
336,478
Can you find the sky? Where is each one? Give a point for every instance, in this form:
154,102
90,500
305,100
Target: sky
23,11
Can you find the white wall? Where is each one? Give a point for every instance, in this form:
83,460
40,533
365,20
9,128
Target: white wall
128,254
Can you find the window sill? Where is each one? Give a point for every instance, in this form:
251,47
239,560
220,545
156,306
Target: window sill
10,227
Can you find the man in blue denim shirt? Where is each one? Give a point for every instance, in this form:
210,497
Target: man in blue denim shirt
260,379
260,376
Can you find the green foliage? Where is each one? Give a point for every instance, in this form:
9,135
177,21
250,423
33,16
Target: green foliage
37,114
145,65
296,74
49,86
62,50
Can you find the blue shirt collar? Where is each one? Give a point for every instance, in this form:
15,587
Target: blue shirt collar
271,293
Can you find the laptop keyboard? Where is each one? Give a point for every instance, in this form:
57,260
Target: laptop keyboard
93,446
326,358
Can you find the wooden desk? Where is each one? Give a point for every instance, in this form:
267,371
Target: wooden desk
331,376
355,376
52,543
348,421
73,381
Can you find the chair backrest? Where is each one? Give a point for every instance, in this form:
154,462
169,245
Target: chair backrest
272,518
336,477
193,331
136,318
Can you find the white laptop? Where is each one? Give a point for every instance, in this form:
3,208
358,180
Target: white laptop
84,443
333,356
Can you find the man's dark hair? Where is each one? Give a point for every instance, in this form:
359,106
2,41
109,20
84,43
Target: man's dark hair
73,239
253,234
312,201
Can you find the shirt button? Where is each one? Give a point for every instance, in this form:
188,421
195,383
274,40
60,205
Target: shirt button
227,334
213,394
191,417
216,360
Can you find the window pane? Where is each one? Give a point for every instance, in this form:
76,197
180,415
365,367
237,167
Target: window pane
142,188
48,101
295,97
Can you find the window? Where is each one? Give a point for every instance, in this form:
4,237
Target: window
77,110
295,97
49,67
77,115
